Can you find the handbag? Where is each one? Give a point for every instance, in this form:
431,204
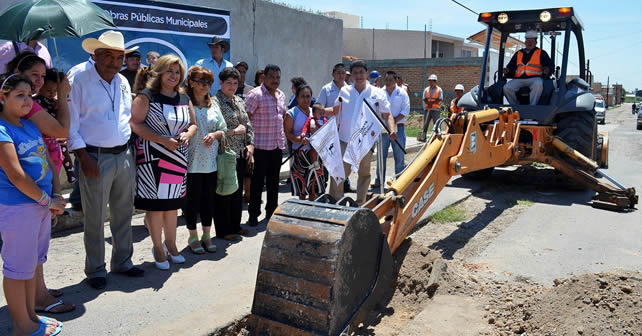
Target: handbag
226,179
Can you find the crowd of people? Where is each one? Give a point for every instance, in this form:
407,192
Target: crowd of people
160,138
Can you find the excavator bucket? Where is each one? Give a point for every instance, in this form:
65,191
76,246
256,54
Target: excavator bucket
322,268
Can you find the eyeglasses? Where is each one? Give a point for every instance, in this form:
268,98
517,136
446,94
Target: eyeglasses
202,82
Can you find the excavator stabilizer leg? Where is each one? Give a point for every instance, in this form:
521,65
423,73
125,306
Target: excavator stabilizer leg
322,267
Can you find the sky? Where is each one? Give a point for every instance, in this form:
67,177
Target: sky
612,29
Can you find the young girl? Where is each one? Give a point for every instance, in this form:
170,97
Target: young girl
312,124
26,204
47,99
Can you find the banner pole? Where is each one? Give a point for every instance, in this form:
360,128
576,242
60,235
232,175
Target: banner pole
380,161
383,124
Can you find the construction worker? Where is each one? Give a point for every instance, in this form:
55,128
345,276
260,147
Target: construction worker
527,68
374,78
459,91
433,95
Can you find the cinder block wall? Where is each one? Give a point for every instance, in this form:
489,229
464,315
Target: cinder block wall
450,71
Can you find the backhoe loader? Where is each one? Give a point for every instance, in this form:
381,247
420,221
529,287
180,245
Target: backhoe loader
325,264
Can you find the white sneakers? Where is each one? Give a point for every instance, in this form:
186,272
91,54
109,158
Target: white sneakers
164,265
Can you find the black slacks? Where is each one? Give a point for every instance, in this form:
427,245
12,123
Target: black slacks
229,207
267,165
201,190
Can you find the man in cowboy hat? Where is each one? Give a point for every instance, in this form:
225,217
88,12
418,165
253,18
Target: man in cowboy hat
100,110
218,47
527,68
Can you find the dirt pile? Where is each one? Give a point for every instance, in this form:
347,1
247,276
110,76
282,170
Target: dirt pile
589,304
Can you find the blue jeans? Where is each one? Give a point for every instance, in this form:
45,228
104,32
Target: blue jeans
396,151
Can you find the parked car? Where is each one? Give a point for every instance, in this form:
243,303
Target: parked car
640,119
600,111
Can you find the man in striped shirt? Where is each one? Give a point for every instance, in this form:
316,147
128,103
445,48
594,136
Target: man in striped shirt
266,106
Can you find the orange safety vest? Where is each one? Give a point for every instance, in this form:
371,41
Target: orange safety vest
454,108
532,68
432,101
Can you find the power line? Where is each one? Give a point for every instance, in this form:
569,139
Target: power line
615,36
457,2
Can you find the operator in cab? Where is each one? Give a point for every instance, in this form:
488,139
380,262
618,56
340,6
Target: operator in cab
528,67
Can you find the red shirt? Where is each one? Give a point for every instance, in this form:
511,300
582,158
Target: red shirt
306,126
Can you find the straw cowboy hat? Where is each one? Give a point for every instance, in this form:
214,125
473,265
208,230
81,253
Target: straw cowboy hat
108,40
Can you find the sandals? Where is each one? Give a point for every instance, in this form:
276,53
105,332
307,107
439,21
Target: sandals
50,321
67,307
195,245
42,330
55,292
207,242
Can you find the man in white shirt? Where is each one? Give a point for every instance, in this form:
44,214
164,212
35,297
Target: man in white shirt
399,108
348,106
89,63
216,63
100,111
329,92
328,96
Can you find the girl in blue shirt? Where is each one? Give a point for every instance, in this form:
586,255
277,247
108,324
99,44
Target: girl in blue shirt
27,204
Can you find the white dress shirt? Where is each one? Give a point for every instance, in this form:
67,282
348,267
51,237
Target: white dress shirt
211,64
80,67
399,103
328,94
352,104
99,111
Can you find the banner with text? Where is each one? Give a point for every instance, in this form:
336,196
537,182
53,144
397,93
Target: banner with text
162,27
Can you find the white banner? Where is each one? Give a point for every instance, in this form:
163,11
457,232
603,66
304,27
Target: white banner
364,135
326,142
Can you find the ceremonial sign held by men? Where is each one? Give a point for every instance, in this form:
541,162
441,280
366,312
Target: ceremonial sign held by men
326,142
364,136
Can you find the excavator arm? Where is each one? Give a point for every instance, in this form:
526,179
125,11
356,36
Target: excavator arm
325,264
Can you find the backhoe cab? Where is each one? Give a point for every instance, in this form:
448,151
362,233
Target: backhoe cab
566,105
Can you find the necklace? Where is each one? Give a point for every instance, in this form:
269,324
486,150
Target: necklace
111,98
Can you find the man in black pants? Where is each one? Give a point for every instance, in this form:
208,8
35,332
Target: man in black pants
266,106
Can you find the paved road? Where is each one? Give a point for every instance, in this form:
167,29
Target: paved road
566,236
205,293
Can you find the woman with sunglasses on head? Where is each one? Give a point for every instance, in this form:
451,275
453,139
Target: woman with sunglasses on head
202,167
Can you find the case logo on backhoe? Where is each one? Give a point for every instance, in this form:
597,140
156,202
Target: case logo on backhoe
423,200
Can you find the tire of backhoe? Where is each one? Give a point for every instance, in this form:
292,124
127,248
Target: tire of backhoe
578,130
479,175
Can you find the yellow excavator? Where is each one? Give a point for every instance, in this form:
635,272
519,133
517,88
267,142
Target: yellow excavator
325,264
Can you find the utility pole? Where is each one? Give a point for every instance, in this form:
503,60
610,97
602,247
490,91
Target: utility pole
373,43
607,90
406,22
425,39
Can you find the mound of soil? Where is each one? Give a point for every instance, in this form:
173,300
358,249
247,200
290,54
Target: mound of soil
589,304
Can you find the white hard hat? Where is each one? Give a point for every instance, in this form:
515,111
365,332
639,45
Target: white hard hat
459,87
531,34
433,77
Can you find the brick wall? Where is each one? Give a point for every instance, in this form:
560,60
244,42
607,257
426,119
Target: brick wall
450,72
